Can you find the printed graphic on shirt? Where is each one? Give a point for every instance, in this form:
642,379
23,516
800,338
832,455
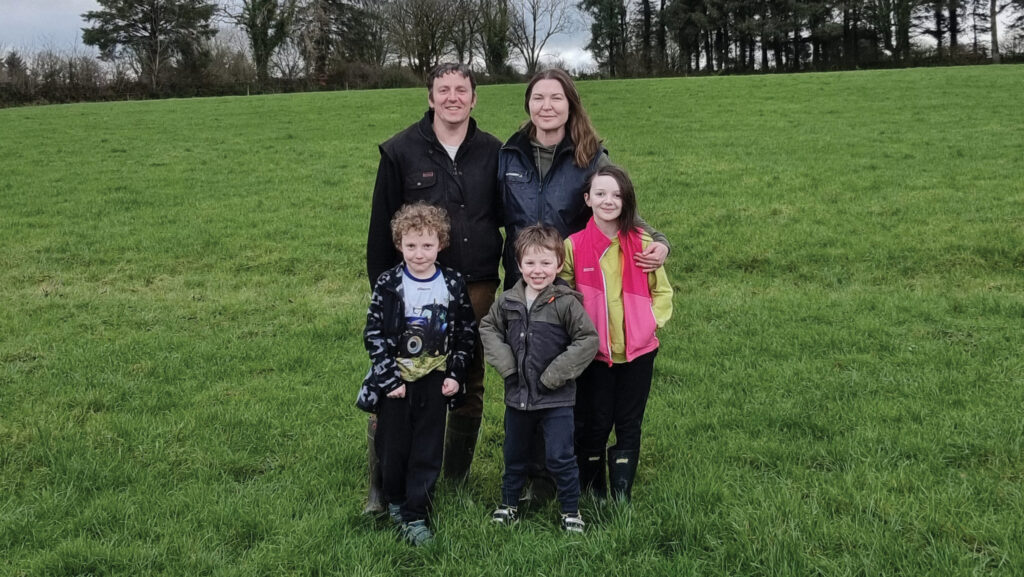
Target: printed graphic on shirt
423,346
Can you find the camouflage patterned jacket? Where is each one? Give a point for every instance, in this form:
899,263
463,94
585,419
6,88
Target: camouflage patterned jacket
385,321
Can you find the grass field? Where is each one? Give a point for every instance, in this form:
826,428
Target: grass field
840,392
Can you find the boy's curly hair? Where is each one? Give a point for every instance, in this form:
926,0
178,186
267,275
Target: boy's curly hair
420,217
539,236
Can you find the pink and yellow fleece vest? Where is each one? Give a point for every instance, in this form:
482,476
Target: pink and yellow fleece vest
588,246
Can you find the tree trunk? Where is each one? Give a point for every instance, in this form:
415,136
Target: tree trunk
993,12
709,50
797,40
721,49
954,27
764,54
847,50
646,35
661,39
684,52
903,18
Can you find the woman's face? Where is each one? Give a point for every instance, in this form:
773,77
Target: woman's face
549,107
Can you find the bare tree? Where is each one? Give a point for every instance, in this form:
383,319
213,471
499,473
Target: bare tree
230,64
288,61
533,23
466,24
422,29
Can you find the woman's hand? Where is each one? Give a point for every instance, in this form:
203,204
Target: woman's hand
398,393
652,258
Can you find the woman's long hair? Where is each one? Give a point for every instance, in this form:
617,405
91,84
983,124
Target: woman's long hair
581,131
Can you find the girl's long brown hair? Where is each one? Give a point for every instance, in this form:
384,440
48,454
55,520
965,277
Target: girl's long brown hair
581,131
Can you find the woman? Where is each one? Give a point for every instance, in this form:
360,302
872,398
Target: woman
543,167
542,172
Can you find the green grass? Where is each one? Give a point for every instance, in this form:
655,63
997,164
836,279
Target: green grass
840,391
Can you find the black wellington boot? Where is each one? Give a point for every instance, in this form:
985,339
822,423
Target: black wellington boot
375,494
592,475
621,472
460,438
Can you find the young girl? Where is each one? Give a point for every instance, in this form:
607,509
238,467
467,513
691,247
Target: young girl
626,305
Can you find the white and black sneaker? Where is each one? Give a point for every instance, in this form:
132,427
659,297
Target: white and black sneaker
573,523
505,515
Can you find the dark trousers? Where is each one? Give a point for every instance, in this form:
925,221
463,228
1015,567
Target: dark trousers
409,443
613,397
556,424
481,296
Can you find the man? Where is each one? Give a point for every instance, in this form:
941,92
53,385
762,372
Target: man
444,160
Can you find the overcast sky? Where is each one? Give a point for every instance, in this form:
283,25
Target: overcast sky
35,24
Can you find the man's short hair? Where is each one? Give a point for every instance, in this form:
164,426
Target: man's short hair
447,68
420,217
539,236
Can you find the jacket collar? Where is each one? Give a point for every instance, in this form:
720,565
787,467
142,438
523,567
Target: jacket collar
520,141
556,289
426,129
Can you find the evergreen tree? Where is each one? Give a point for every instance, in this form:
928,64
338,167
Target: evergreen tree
152,32
494,36
609,34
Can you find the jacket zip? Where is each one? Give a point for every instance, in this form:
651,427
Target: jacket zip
526,353
604,294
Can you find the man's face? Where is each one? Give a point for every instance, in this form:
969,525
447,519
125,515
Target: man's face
452,99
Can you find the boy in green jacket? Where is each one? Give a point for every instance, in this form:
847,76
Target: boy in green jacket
539,338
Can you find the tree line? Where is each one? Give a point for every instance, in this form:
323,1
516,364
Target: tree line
686,36
153,48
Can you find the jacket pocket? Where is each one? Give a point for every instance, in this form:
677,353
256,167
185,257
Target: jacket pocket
420,184
520,197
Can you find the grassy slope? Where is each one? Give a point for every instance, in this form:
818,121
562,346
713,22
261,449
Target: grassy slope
840,391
